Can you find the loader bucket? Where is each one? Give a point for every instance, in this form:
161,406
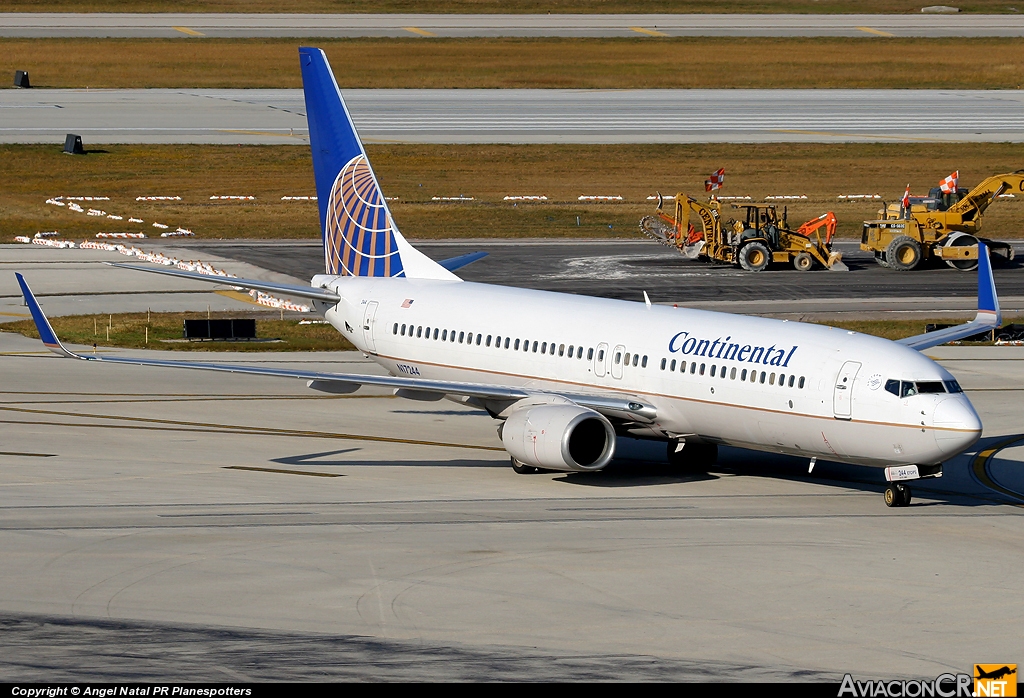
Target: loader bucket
835,262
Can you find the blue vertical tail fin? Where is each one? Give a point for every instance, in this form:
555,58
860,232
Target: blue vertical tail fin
359,235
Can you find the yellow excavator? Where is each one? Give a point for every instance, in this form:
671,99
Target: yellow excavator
943,225
758,239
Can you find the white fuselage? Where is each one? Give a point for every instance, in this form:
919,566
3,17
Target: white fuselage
770,385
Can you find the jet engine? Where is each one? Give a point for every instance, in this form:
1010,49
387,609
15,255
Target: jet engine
559,437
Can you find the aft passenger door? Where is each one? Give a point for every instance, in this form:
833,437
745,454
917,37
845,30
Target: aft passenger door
842,398
601,360
369,315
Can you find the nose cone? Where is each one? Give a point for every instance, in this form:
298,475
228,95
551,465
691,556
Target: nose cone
957,425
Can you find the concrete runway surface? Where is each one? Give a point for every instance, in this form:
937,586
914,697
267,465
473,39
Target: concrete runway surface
518,116
441,25
77,282
160,524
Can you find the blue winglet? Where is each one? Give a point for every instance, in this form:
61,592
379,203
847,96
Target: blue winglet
988,301
46,332
462,260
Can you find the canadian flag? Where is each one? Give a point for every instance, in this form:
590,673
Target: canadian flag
949,184
715,181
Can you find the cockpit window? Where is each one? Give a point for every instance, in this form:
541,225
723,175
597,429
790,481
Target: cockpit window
930,387
893,386
907,389
911,388
953,387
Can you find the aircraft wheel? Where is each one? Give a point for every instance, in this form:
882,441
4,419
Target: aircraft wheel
903,253
904,495
803,261
962,240
892,497
754,256
521,468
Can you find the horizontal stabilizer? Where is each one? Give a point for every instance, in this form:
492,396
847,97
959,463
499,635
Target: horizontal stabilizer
317,294
462,260
988,317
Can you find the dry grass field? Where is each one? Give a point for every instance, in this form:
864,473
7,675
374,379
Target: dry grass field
416,173
493,6
989,63
129,330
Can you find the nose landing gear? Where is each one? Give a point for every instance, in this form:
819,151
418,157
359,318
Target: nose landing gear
897,495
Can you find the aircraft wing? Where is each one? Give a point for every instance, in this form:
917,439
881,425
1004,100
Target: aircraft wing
319,294
619,407
988,317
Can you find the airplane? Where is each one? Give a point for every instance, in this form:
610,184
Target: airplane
995,674
565,375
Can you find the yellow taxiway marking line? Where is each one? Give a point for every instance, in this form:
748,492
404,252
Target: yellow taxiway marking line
15,314
856,135
186,30
980,467
279,470
417,30
876,32
648,32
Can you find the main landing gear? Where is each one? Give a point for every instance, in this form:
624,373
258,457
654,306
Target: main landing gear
897,495
521,468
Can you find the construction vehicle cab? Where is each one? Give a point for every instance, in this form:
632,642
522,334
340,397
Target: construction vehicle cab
941,226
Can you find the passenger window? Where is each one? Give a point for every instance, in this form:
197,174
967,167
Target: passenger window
771,380
478,337
561,350
488,340
444,336
762,377
618,357
713,370
732,374
801,385
461,336
600,355
395,329
435,333
782,380
791,377
702,369
627,359
506,342
636,357
693,366
419,331
403,330
643,362
664,361
535,347
516,346
572,350
579,352
673,364
590,354
743,375
451,336
544,348
427,333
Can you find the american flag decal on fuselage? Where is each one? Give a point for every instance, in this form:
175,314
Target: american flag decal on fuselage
359,235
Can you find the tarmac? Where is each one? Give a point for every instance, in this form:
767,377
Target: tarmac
213,25
180,525
229,116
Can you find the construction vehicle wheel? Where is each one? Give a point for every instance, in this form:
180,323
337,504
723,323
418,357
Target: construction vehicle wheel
880,259
962,240
903,253
803,261
754,256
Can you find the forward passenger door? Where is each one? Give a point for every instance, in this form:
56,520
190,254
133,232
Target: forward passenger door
842,398
601,360
369,315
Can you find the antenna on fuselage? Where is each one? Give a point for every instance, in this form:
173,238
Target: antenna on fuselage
647,299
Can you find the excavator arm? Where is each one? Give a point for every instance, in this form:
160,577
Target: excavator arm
972,206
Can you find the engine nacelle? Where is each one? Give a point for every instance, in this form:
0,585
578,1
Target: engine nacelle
559,437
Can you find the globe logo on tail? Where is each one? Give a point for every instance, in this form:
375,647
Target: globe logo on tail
360,238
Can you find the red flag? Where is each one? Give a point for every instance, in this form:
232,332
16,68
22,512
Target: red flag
949,184
715,181
906,199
